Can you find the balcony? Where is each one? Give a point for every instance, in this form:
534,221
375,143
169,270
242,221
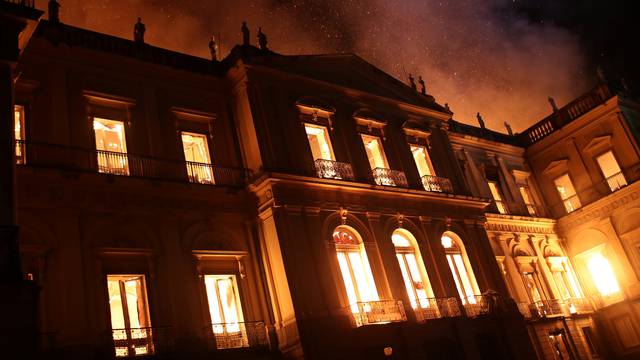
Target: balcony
125,164
437,308
437,184
477,305
388,177
555,308
377,312
329,169
238,335
141,341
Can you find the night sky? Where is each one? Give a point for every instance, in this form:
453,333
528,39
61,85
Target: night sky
502,58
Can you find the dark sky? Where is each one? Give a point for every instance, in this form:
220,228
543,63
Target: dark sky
499,57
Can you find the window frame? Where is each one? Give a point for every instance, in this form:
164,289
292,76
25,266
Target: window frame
575,192
430,166
383,152
19,146
500,203
328,139
414,249
457,248
126,169
606,179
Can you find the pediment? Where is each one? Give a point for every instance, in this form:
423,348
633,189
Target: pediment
598,143
556,166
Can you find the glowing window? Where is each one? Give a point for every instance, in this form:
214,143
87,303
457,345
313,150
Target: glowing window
460,268
497,197
531,283
196,153
111,146
526,196
354,267
319,142
414,274
602,274
226,311
375,151
567,193
129,311
423,162
611,171
19,132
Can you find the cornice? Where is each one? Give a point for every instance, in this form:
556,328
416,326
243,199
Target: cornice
519,224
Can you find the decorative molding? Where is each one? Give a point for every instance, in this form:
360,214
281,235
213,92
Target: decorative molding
598,143
556,166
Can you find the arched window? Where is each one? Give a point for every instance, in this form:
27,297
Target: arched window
460,267
354,267
414,274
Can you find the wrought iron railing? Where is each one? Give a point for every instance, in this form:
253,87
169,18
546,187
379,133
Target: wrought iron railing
329,169
550,308
579,306
555,307
125,164
527,310
141,341
436,308
377,312
252,334
388,177
437,184
476,305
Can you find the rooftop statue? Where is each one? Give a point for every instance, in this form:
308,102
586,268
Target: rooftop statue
509,129
423,89
412,82
245,34
213,48
54,11
480,120
552,101
138,31
262,39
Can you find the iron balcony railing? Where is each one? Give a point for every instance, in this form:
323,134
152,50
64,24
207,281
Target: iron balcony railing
436,308
251,334
477,305
329,169
377,312
557,307
144,341
437,184
388,177
125,164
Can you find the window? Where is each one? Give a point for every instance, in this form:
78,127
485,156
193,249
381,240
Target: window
563,277
129,311
354,267
602,275
567,193
532,285
414,274
497,197
196,154
226,311
611,171
111,146
526,196
423,162
460,268
375,152
19,133
589,338
319,142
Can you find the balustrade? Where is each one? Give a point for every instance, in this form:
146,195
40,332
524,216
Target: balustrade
377,312
437,184
329,169
388,177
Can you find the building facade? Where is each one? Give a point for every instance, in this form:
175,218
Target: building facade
269,206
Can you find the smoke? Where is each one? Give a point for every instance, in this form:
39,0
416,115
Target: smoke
476,55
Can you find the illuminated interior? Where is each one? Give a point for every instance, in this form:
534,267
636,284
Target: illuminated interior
319,142
413,271
18,118
111,145
460,268
497,197
375,151
611,171
423,162
567,193
602,274
196,153
354,267
225,309
129,311
526,196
